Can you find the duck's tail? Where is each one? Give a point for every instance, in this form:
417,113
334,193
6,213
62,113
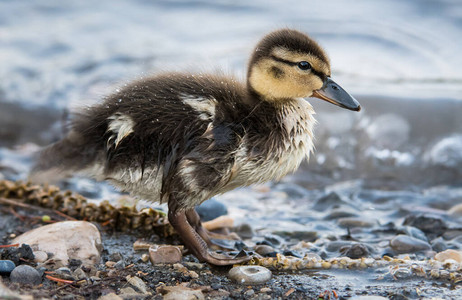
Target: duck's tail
61,159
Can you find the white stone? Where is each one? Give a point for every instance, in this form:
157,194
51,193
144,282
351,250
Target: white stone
449,254
66,240
250,274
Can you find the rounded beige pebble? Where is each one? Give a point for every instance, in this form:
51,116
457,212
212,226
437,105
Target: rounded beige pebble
165,254
40,256
250,274
449,254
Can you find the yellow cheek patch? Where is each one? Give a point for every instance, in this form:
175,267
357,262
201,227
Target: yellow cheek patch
290,85
292,56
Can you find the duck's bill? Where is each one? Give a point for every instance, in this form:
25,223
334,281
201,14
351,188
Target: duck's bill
335,94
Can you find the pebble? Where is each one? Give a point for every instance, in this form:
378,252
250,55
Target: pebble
218,223
211,209
25,274
244,230
6,266
180,292
250,274
116,256
355,251
65,240
449,254
355,222
137,283
165,254
415,232
265,290
456,210
328,201
249,293
439,244
40,256
265,250
407,244
426,223
144,257
79,274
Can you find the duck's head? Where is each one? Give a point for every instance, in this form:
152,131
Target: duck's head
288,64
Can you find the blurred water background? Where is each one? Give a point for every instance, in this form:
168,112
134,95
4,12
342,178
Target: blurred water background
401,59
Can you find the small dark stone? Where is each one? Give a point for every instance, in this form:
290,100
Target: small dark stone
25,274
116,256
329,200
439,245
15,254
6,266
75,263
292,253
216,286
427,223
245,231
355,251
211,209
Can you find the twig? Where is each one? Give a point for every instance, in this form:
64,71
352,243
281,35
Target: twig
16,214
59,280
16,202
9,246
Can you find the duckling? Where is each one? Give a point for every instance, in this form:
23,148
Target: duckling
181,138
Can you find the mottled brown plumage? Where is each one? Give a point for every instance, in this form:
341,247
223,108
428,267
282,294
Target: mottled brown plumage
182,138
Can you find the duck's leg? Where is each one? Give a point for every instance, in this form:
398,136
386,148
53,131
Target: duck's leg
195,221
194,242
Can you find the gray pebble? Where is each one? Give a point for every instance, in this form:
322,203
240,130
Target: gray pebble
250,274
25,274
249,293
211,209
407,244
6,266
264,250
415,232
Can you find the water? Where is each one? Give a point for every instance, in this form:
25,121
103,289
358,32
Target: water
58,53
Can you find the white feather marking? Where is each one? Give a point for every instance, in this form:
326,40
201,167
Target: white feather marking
205,106
121,126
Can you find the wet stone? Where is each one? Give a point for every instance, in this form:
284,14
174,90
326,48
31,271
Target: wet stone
406,244
265,250
6,266
415,232
245,231
355,251
328,201
211,209
355,222
439,244
341,212
25,274
250,274
426,223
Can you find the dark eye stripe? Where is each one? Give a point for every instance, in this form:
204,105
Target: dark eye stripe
291,63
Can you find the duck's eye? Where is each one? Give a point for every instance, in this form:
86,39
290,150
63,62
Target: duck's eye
304,65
